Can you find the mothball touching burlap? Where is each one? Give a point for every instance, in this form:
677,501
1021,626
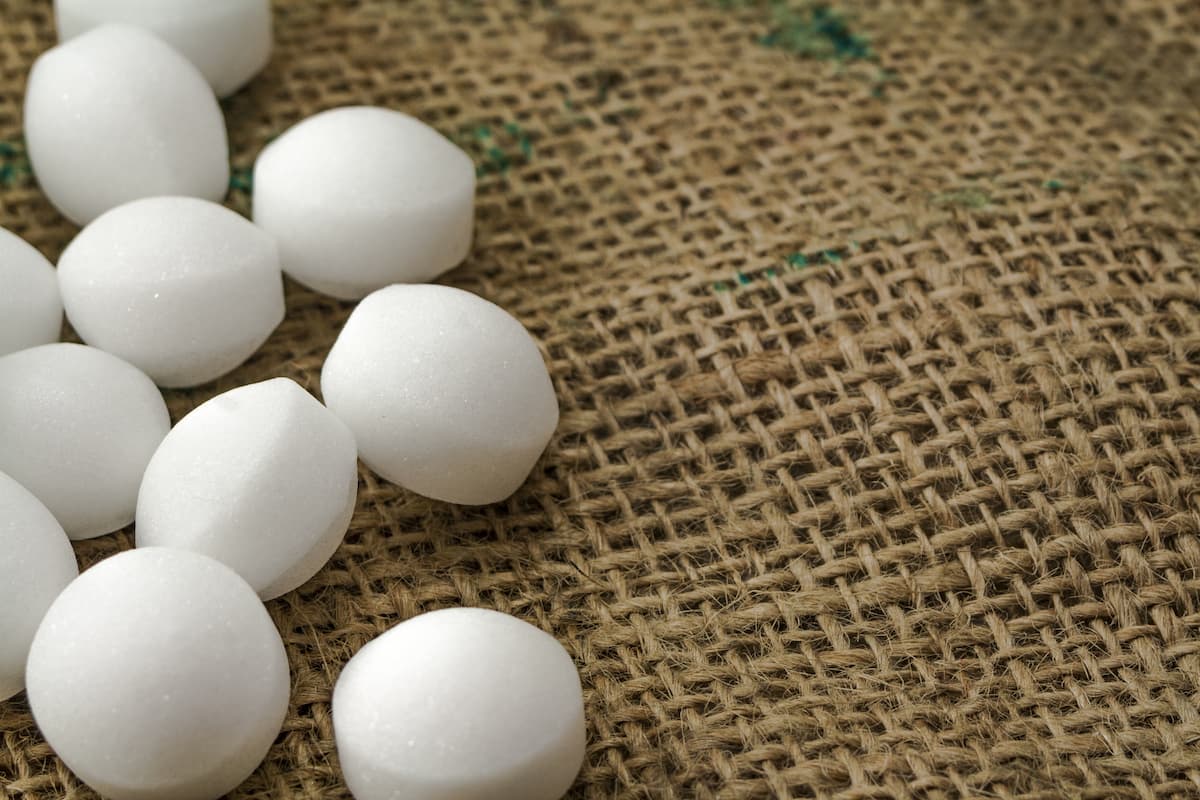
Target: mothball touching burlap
460,704
362,197
159,674
446,393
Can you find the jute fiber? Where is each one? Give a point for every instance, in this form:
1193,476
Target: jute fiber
876,332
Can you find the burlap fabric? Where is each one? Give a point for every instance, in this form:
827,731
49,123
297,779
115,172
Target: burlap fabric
876,333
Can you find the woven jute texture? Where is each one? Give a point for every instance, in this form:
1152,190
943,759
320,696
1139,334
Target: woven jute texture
876,333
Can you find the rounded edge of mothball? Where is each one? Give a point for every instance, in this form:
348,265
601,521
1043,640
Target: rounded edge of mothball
229,41
153,282
77,399
188,701
31,310
220,485
87,159
412,373
397,203
38,563
513,673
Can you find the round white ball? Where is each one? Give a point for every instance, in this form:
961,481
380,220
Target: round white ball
229,41
363,197
30,309
117,114
181,288
36,563
460,704
262,478
446,393
158,674
78,427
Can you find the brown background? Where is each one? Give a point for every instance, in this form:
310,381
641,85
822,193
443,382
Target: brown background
878,466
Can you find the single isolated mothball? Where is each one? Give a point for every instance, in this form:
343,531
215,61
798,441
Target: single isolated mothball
184,289
262,478
158,674
229,41
77,428
117,114
361,197
36,563
446,393
460,704
30,309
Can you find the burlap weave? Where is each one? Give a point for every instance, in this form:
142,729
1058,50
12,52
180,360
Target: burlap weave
876,332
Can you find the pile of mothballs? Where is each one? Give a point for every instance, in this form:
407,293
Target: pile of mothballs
158,673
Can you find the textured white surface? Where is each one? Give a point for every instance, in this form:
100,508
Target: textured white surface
30,309
228,40
158,674
460,704
183,289
395,202
446,393
117,114
262,478
36,563
77,427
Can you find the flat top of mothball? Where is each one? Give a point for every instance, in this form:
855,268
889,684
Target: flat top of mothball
363,157
459,692
170,240
182,288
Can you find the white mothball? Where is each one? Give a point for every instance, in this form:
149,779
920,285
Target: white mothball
30,309
229,41
36,563
446,393
158,674
181,288
77,428
117,114
263,478
395,205
460,704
